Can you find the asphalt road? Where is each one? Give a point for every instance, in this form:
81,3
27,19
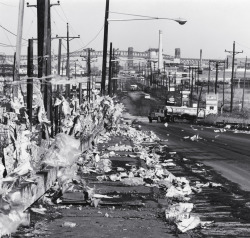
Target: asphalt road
226,152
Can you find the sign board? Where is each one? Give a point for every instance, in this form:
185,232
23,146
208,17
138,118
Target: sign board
171,99
185,92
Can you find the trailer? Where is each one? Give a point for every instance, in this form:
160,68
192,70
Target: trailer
173,113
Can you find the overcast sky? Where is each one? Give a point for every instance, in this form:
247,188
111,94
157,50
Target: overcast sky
212,25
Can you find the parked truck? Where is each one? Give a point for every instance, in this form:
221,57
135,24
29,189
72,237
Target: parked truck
173,113
157,115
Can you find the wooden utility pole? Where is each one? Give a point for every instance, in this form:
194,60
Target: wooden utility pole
216,78
110,70
191,93
89,75
30,80
208,80
105,46
68,38
44,51
67,64
199,99
232,76
223,88
243,94
217,62
59,62
198,80
18,46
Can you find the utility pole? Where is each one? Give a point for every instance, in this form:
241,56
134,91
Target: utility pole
216,77
68,38
110,70
30,81
58,108
223,94
67,93
208,80
199,99
105,46
89,75
243,94
59,61
232,77
88,59
191,93
44,51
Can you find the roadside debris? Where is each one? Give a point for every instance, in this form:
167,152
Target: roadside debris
69,224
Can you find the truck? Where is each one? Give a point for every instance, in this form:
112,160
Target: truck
158,115
173,113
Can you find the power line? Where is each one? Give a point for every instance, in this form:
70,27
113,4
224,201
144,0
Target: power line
79,39
59,15
10,32
89,41
7,4
64,13
242,45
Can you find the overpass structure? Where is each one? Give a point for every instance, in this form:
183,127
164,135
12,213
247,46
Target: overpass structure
150,54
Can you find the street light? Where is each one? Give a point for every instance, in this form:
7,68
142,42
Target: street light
105,39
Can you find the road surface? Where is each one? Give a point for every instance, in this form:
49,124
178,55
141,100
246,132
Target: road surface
227,152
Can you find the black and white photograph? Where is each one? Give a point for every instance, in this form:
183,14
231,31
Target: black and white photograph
125,118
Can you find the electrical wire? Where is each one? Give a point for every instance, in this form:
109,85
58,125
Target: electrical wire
59,15
78,39
10,32
89,41
242,45
127,14
7,4
9,41
64,13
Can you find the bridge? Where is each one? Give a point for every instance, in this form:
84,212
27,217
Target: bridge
129,54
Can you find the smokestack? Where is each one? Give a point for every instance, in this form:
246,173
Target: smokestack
177,53
160,64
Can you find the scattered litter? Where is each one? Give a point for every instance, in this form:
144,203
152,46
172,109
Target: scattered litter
40,210
135,181
120,169
101,196
166,124
68,224
95,202
188,223
115,177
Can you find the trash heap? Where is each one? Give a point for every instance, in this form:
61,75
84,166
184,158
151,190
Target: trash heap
178,190
27,151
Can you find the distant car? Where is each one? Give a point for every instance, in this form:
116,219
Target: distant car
147,96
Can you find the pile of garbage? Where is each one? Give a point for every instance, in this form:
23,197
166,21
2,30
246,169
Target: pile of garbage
26,149
178,190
